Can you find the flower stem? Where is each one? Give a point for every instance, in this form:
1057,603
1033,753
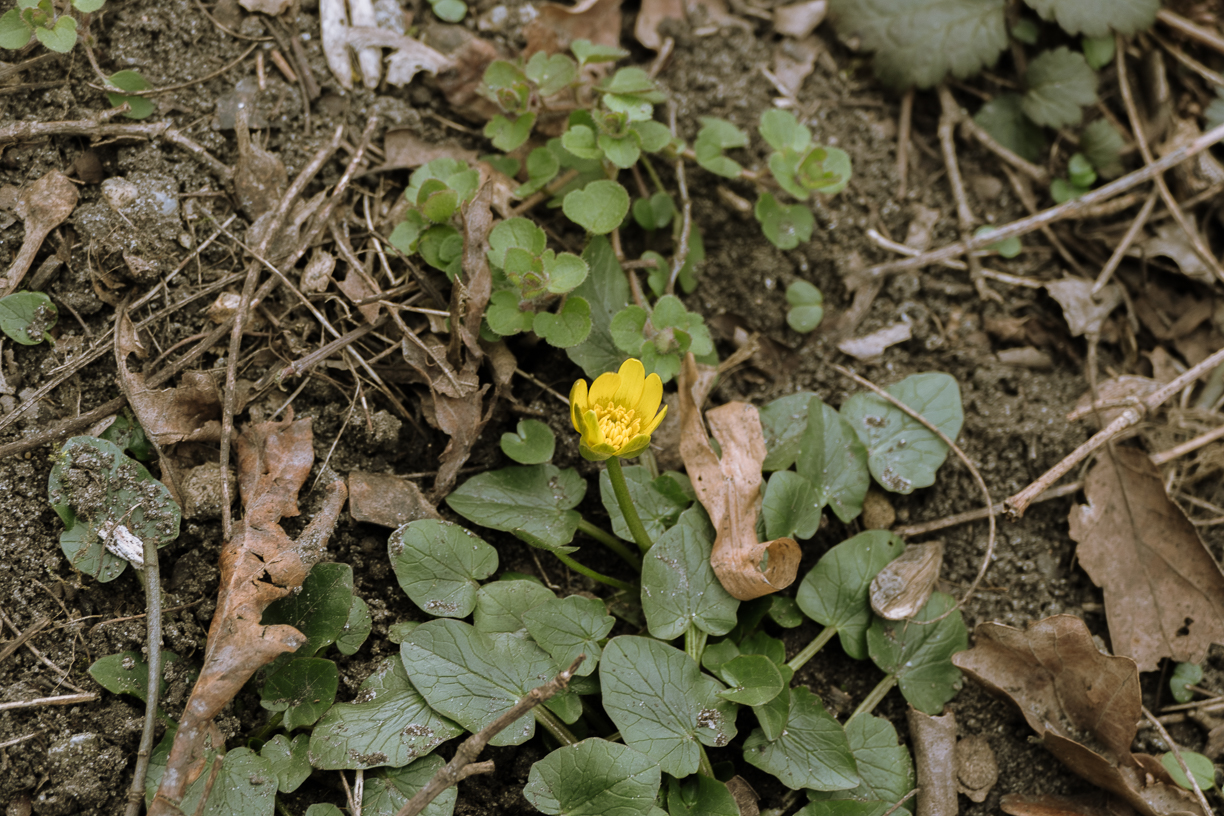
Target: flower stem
875,696
592,574
621,488
553,725
809,651
611,542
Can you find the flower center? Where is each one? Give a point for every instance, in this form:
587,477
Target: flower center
618,424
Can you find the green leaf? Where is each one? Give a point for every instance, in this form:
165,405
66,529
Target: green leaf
700,796
454,173
356,629
783,166
917,42
606,289
812,750
565,271
26,316
785,226
474,678
807,306
1098,51
324,810
901,453
845,807
500,605
679,587
568,627
825,170
884,765
653,136
1098,18
14,32
534,503
783,422
1080,171
1184,676
1214,114
245,786
128,673
1004,119
599,207
1025,31
587,52
753,680
835,592
1102,144
509,134
568,327
715,136
389,723
505,315
1063,191
783,131
785,612
542,167
658,502
450,11
128,436
95,488
319,610
440,566
791,508
532,443
833,459
623,151
920,656
1059,83
61,37
131,81
290,761
628,329
304,688
388,791
442,248
408,232
581,141
662,703
655,212
88,6
551,74
1007,248
772,716
1199,765
593,778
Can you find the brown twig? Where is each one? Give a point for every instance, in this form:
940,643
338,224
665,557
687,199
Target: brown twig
181,85
470,748
60,700
950,114
1132,233
1017,504
1181,762
686,211
1025,193
19,641
1190,446
46,661
925,527
904,124
1190,29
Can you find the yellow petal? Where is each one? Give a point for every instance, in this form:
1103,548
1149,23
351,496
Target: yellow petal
632,375
592,434
654,423
652,395
578,404
604,389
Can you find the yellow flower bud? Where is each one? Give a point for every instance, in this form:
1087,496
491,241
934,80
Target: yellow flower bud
618,414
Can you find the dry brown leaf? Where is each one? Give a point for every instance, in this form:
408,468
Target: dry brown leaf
730,490
1089,804
259,176
798,20
356,287
1164,593
1172,242
793,62
259,565
1084,313
872,346
1073,696
405,149
977,771
461,82
934,740
43,206
557,26
652,13
903,587
386,500
1117,393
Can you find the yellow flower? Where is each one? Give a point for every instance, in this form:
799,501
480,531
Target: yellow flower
618,415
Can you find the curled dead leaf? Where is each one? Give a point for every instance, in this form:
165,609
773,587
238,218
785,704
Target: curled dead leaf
730,490
934,740
903,587
43,206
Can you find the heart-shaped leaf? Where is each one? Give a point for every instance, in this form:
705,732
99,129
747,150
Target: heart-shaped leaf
532,443
600,207
920,656
566,328
593,778
534,503
811,752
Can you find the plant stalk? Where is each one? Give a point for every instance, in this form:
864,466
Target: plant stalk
151,578
809,651
592,574
553,725
621,488
611,542
703,766
875,696
695,642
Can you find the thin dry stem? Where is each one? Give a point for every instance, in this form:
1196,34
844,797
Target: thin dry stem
1181,762
904,124
59,700
1132,233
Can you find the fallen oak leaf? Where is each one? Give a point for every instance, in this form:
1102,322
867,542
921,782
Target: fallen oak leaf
1074,696
1164,593
259,564
730,490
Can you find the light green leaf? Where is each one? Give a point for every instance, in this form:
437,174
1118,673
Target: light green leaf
606,289
303,687
715,136
1098,18
1184,675
599,207
807,306
27,316
752,680
700,796
245,786
679,586
623,151
653,136
500,605
88,6
551,74
532,443
61,37
587,52
568,627
580,140
1007,248
474,678
1004,119
131,81
1199,765
884,765
356,629
791,507
14,33
533,502
290,761
783,131
505,316
1080,171
833,459
917,42
594,778
812,750
825,170
835,592
388,791
1059,84
450,11
786,226
920,656
627,329
901,453
568,327
515,232
564,271
655,212
508,134
662,703
1102,144
542,167
659,502
1099,51
1063,191
389,723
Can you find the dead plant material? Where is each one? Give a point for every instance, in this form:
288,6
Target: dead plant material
934,740
903,587
977,771
1084,310
386,500
259,176
730,490
403,148
1073,695
1164,593
1048,804
557,26
43,206
259,565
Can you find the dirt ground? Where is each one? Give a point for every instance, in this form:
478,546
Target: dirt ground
78,759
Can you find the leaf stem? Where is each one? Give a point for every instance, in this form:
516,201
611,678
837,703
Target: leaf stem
809,651
592,574
874,697
611,542
151,578
703,766
621,488
553,725
694,642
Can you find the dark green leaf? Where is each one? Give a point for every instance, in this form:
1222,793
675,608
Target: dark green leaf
1098,18
607,291
1099,51
131,81
772,715
785,612
245,786
791,507
319,610
542,167
532,443
500,605
388,791
304,688
1059,84
700,796
655,212
1102,144
27,316
1184,676
812,750
128,673
786,226
356,629
679,586
833,459
784,421
752,680
884,765
533,502
715,136
593,778
920,656
290,761
1004,119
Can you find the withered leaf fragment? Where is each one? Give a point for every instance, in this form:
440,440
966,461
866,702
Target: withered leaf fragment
730,490
43,206
1164,593
904,585
259,565
1074,696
